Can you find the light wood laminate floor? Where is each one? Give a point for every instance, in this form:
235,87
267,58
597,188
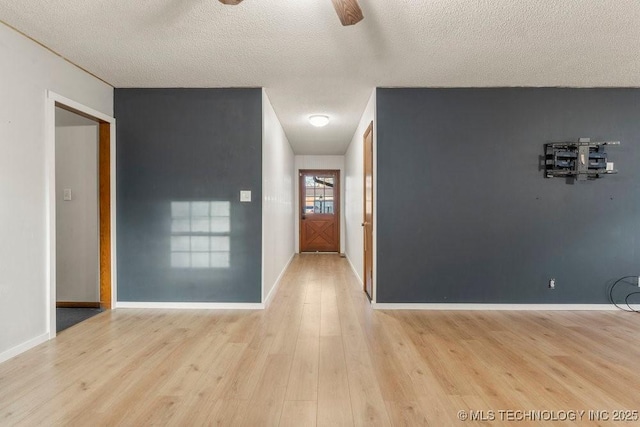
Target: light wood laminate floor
319,355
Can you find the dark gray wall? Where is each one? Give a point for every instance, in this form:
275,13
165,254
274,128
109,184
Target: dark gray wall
465,215
187,145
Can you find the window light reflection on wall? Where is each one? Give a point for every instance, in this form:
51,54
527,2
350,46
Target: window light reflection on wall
200,234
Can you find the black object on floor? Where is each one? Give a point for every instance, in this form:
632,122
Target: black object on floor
67,317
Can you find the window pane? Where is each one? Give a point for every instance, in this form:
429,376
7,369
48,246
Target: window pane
199,244
180,244
200,225
199,209
220,208
220,225
308,181
200,260
220,243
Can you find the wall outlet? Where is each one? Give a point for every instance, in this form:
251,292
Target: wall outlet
67,194
552,283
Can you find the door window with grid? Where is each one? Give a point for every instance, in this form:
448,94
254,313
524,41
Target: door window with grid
318,195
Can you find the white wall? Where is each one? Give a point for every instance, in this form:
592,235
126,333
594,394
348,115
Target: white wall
354,183
278,185
77,226
27,71
319,162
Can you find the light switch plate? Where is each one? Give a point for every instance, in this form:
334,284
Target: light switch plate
245,195
67,194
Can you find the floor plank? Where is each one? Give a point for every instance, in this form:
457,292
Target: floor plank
334,404
319,355
299,413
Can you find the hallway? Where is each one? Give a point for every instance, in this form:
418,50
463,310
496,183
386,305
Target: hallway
320,355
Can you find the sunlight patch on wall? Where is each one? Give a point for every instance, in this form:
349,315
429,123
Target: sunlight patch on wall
200,234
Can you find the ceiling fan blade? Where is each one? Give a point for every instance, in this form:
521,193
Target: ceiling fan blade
232,2
348,11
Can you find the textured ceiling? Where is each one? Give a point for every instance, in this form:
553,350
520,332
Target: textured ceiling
309,63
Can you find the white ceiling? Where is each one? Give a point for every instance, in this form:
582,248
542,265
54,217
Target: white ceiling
309,63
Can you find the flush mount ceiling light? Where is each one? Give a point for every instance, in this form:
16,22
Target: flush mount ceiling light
319,120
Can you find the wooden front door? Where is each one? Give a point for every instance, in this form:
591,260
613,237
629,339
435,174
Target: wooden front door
367,223
319,211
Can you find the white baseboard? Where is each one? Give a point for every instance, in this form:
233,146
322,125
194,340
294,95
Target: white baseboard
13,352
490,307
275,287
354,270
192,305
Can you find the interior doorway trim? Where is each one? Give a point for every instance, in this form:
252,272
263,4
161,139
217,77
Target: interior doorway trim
107,242
368,215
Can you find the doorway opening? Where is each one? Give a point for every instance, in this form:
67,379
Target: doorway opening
319,210
80,182
77,219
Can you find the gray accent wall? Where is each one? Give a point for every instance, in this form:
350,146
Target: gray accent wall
183,156
464,213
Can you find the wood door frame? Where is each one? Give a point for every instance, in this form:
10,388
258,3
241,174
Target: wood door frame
106,196
364,213
336,196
